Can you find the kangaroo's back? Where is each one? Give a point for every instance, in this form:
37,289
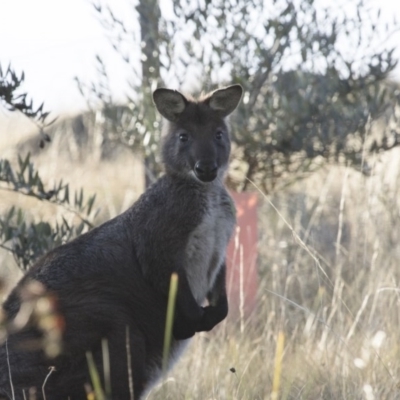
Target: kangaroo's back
112,283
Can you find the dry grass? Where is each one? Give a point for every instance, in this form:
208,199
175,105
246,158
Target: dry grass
117,183
329,281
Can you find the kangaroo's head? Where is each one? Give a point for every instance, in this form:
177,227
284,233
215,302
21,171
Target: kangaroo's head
197,142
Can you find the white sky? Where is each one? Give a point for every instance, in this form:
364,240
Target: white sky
53,41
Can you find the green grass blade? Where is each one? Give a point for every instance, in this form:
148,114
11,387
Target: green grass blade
94,376
173,288
106,367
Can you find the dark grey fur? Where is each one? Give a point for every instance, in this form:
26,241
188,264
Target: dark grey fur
118,274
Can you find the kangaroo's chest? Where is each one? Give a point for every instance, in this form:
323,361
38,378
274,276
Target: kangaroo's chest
205,251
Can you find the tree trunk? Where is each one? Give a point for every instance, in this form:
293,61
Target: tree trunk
149,18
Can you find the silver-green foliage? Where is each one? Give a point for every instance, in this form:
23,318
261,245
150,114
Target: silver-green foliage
314,79
20,234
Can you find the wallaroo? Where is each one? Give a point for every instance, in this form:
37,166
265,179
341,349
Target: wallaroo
112,283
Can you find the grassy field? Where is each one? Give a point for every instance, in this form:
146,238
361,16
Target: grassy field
329,285
327,324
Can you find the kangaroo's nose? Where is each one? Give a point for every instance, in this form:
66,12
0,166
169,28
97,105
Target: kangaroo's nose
206,171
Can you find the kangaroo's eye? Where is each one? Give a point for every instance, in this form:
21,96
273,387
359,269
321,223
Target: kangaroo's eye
183,137
219,135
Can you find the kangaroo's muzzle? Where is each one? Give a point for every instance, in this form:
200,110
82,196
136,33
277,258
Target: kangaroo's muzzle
206,171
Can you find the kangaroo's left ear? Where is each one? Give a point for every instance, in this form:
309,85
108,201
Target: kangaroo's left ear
225,100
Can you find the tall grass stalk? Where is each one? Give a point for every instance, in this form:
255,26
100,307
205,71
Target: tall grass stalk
106,367
241,290
129,363
9,372
173,288
278,365
94,376
52,369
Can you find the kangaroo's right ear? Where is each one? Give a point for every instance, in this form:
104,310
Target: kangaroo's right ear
169,103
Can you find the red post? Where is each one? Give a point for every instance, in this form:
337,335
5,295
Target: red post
242,279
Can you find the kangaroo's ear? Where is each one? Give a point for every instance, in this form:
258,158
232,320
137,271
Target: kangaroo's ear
225,100
169,103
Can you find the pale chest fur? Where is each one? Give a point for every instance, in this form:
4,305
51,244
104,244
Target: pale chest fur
205,252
